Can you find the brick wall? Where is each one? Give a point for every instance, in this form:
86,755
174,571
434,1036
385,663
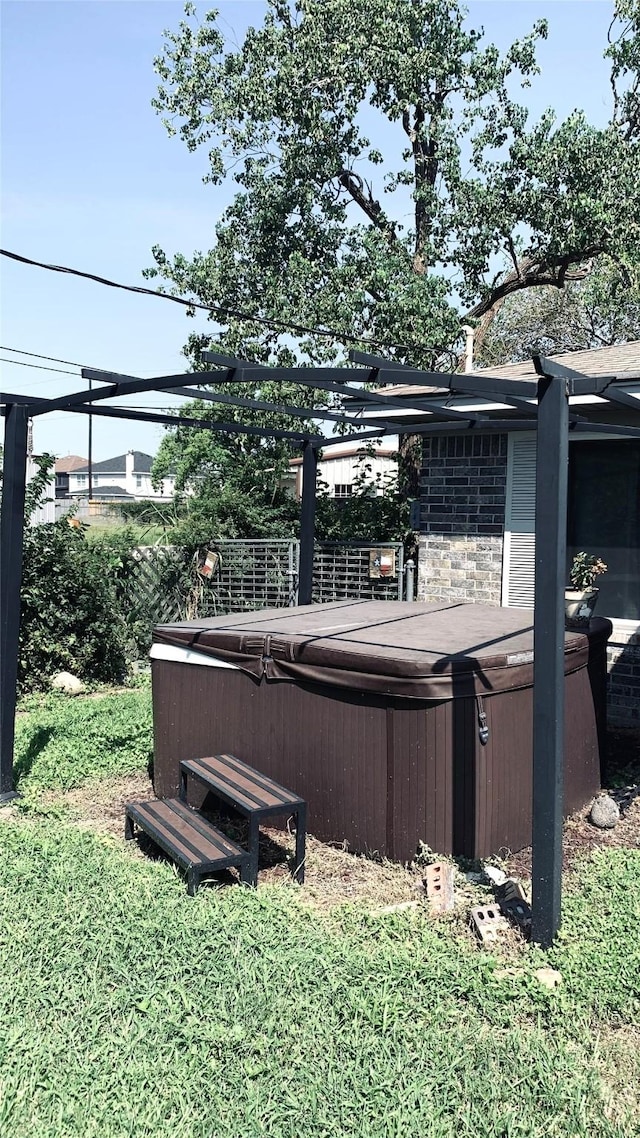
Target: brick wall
462,498
462,495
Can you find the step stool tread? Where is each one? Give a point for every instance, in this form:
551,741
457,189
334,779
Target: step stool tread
242,784
186,835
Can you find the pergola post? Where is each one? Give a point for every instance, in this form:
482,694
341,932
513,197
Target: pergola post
552,456
11,546
307,522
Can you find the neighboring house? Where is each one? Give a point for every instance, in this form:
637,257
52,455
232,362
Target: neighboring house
477,501
63,468
46,512
127,476
342,465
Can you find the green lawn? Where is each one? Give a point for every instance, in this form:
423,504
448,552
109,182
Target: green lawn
63,742
129,1009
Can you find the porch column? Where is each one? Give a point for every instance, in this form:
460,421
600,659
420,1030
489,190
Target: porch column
11,546
307,522
552,456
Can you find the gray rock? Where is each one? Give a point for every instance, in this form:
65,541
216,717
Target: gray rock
604,812
66,682
496,876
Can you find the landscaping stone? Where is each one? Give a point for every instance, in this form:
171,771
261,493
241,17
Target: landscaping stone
548,977
604,812
496,876
66,682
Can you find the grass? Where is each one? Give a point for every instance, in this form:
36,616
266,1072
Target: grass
130,1010
62,742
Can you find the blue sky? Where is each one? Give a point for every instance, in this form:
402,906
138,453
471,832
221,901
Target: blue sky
89,178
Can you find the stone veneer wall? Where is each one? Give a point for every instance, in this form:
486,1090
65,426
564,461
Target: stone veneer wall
462,494
623,665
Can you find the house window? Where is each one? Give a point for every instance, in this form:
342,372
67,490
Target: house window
82,479
343,490
138,482
604,518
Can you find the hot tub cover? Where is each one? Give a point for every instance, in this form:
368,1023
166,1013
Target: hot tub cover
417,651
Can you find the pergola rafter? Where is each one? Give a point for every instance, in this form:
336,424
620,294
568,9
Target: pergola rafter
541,404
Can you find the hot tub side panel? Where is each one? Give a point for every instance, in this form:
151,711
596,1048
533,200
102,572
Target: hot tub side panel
328,746
457,796
504,768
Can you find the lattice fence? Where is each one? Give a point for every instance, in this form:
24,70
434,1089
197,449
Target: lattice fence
168,583
250,574
344,571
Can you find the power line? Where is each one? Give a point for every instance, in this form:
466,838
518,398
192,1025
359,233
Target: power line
39,356
237,314
40,367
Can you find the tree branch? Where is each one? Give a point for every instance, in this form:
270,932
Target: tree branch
530,272
527,273
353,184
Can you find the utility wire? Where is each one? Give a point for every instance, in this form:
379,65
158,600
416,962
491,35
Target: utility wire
40,367
39,356
268,322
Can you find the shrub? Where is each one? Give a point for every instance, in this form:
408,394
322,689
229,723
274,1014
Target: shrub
70,617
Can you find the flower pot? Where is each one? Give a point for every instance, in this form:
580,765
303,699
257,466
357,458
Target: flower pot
579,606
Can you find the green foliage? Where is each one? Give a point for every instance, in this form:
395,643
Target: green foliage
235,480
65,741
388,185
316,232
584,569
376,510
70,619
228,512
129,1008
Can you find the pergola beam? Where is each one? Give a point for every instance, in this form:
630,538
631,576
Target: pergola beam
307,377
11,549
281,408
552,462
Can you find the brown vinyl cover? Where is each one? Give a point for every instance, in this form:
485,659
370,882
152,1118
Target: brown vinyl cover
417,651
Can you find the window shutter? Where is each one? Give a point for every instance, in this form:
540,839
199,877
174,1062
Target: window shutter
518,570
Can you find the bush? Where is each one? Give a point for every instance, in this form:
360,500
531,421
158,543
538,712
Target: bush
70,617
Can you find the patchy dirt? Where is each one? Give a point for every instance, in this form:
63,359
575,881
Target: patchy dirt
100,806
333,875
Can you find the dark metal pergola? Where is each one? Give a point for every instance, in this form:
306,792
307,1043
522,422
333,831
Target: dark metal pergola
541,404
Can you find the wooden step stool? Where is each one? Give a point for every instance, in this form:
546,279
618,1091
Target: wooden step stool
194,843
188,838
253,795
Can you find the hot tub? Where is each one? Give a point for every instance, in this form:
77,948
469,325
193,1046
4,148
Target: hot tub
398,723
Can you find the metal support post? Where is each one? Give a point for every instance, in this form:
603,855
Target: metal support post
410,572
307,522
552,456
11,546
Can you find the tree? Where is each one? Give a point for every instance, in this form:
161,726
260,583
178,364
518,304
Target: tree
388,186
316,235
70,618
233,484
593,313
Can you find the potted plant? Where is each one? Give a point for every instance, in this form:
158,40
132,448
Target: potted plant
580,599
